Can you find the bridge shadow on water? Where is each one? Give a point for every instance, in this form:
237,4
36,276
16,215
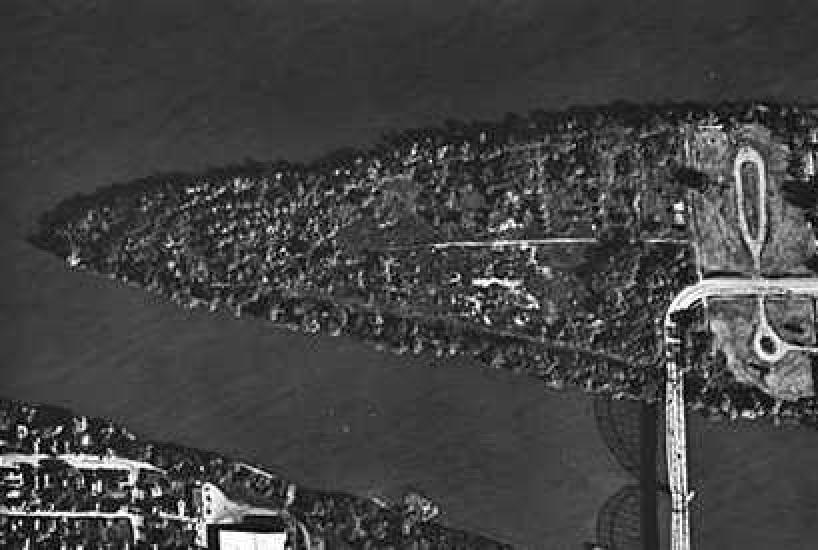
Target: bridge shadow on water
629,519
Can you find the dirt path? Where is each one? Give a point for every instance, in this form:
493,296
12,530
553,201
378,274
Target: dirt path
94,94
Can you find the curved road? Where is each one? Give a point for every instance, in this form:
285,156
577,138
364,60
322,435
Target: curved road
674,403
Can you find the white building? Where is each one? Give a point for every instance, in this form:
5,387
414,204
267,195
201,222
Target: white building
227,525
811,163
245,537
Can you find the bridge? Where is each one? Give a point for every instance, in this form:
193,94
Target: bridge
674,401
767,344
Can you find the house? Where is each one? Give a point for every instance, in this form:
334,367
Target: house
11,477
679,214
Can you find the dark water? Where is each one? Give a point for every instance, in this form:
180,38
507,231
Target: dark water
92,94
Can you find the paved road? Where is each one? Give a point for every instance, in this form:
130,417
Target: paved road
754,242
729,286
91,98
84,462
675,408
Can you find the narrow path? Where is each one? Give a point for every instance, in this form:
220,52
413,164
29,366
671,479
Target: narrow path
674,405
754,243
765,335
82,461
522,243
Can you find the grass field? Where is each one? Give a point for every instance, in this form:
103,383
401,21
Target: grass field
721,244
733,322
788,240
95,93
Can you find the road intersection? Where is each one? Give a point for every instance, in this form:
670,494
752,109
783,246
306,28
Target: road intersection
674,404
767,343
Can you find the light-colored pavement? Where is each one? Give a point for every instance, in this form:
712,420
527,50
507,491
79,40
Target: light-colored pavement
137,521
522,243
777,347
674,404
83,462
754,242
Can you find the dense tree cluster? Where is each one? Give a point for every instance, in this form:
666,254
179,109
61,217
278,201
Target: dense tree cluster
382,243
341,520
712,389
